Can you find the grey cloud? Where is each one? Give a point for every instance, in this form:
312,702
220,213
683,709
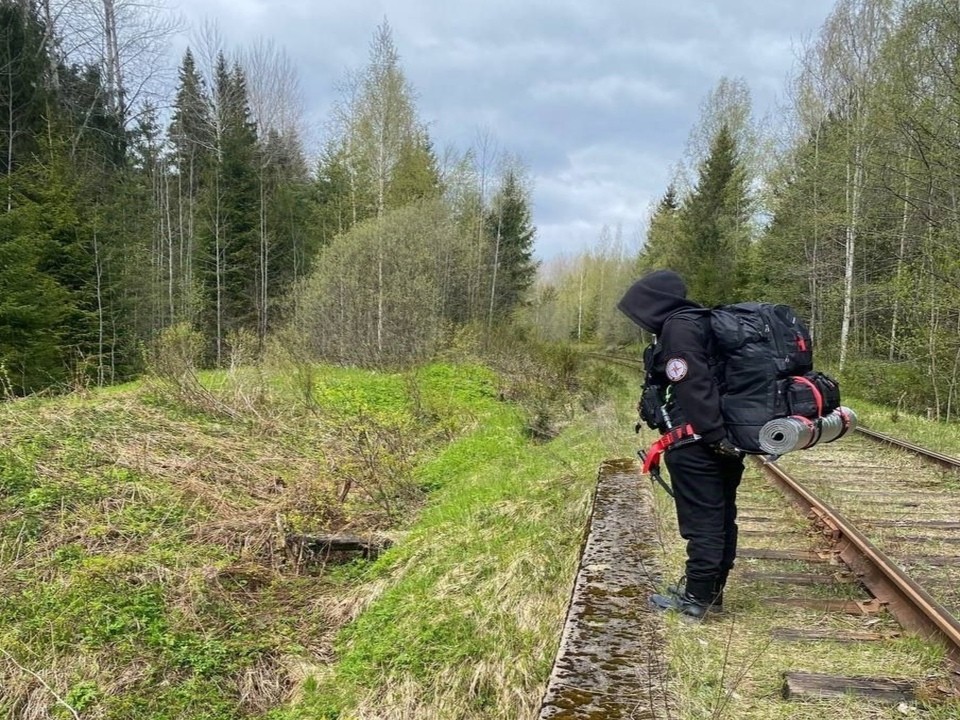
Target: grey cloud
598,97
609,91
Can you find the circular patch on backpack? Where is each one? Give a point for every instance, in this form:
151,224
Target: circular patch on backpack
676,369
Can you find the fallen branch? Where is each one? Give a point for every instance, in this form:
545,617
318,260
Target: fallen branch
39,679
370,547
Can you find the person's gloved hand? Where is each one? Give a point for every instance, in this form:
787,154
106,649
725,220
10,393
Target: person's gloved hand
724,448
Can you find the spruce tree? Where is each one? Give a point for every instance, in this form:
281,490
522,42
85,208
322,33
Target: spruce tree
34,306
511,235
332,192
228,239
191,136
289,240
663,234
415,176
714,246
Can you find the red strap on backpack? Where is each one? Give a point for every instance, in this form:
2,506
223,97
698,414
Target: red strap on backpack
816,392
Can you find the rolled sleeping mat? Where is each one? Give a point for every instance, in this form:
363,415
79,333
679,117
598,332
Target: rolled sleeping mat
784,435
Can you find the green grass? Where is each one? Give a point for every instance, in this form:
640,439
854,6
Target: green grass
142,573
144,570
932,434
467,609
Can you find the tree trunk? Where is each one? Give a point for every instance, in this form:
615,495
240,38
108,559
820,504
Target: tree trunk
854,186
379,294
10,135
190,242
114,67
264,265
218,270
934,323
580,304
98,266
163,207
496,265
49,33
903,251
814,268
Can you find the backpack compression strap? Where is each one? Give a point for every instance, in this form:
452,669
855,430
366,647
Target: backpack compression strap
818,396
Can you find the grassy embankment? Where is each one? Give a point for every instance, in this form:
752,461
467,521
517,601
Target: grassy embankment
466,610
932,434
146,566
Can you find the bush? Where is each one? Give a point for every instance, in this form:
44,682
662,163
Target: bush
599,383
902,385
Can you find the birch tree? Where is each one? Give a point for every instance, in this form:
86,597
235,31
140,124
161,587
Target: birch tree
377,120
128,38
842,68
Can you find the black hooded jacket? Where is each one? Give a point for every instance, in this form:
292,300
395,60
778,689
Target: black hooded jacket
682,358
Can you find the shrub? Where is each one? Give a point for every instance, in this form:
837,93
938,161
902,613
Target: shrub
903,385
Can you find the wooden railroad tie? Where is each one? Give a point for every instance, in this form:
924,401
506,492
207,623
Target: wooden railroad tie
800,578
839,636
798,555
847,607
815,686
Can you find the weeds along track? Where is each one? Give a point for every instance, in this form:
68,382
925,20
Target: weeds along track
831,587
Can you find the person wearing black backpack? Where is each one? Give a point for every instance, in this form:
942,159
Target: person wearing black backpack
681,399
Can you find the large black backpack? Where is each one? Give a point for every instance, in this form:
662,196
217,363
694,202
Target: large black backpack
767,354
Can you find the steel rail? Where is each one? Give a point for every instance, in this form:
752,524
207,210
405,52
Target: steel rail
951,463
909,603
626,362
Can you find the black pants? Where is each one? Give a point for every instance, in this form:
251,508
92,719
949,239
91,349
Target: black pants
705,488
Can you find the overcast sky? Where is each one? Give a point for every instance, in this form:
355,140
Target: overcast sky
596,96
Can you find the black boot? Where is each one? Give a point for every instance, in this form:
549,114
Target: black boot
716,606
695,600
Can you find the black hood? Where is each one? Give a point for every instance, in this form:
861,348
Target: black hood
655,297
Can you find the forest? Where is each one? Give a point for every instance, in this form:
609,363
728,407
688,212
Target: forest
131,213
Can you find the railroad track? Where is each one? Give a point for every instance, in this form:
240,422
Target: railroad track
888,518
896,517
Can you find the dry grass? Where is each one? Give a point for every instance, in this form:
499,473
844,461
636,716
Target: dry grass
146,559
